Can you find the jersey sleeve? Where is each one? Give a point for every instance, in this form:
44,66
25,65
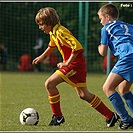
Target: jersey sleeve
104,36
69,40
51,43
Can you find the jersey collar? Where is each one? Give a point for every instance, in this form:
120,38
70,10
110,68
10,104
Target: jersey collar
54,29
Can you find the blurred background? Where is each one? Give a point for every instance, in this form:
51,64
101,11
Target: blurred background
20,38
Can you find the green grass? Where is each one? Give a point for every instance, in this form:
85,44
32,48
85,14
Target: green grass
21,90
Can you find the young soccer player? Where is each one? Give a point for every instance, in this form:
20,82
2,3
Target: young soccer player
118,36
71,70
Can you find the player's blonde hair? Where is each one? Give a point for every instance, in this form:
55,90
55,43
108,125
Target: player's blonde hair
47,16
109,9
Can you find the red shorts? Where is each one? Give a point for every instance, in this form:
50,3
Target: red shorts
75,73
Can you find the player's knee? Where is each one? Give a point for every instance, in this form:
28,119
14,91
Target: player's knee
48,84
81,96
105,89
123,91
108,90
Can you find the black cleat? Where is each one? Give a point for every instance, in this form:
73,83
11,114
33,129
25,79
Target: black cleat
56,120
111,122
124,126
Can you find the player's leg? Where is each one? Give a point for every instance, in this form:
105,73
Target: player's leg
97,104
54,99
52,82
109,87
124,89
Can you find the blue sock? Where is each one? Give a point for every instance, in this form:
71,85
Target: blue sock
118,105
129,100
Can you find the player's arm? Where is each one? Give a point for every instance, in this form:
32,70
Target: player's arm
65,64
102,49
41,57
71,58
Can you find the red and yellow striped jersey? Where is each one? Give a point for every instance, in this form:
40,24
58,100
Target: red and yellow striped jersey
67,44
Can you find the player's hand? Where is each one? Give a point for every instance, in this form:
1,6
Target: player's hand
37,60
62,64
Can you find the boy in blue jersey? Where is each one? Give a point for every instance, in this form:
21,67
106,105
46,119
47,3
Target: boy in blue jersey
118,36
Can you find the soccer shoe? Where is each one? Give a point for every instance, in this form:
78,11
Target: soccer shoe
111,122
56,120
125,126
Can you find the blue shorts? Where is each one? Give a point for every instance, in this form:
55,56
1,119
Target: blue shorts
124,68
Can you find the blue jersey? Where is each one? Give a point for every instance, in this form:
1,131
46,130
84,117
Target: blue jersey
118,35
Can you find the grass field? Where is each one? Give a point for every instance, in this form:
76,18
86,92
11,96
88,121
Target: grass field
21,90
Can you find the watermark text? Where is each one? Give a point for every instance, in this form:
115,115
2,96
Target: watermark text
126,5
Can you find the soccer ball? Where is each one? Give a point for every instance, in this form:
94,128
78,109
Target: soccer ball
29,116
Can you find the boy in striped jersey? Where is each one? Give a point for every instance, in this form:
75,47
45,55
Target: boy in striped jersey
71,70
